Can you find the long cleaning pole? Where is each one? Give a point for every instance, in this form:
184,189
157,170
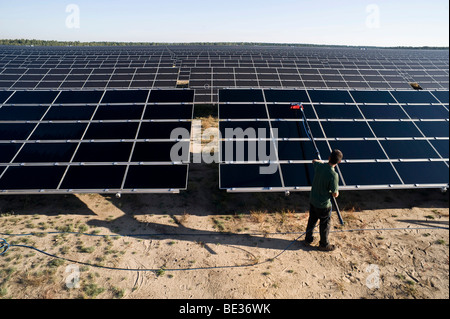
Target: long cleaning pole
311,137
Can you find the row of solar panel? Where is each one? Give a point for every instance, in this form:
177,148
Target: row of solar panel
332,112
89,152
288,151
90,177
51,73
214,86
247,177
294,75
208,94
233,53
277,58
95,97
88,85
347,129
316,84
90,131
225,61
98,178
333,96
29,113
228,51
224,66
163,130
240,95
354,150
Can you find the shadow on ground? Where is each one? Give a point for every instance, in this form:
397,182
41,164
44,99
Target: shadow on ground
125,225
203,198
49,205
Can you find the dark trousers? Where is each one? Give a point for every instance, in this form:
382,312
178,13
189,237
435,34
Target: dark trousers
324,215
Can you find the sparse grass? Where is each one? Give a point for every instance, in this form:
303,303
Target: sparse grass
36,279
30,225
85,250
91,290
64,250
258,216
83,228
3,290
441,242
349,216
7,272
444,213
160,272
184,218
68,228
410,289
117,292
400,276
5,276
55,263
43,226
218,224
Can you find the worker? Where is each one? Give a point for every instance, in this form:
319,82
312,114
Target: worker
325,185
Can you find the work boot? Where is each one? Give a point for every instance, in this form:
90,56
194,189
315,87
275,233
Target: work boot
327,248
307,243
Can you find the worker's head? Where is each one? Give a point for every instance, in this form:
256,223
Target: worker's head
336,157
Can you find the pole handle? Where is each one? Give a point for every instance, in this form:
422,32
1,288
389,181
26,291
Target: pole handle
341,220
305,119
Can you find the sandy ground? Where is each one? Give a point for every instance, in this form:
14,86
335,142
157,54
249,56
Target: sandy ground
208,244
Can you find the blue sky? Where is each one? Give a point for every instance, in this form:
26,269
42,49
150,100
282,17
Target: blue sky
344,22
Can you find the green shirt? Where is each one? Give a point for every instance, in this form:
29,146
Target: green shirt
326,182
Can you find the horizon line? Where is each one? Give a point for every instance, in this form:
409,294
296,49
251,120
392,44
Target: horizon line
28,42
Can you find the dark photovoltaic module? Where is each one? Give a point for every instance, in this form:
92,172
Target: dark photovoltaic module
390,139
111,141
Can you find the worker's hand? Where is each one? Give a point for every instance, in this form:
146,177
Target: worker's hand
335,195
317,161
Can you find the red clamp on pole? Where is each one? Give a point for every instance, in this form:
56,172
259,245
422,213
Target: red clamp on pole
295,106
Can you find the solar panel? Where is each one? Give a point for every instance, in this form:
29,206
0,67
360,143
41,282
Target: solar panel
94,141
386,137
210,68
69,110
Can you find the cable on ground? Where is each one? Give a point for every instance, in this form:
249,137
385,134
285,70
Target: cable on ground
5,246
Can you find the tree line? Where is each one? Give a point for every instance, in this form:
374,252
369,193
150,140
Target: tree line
33,42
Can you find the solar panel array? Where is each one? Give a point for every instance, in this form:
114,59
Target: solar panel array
210,68
110,141
100,119
390,139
